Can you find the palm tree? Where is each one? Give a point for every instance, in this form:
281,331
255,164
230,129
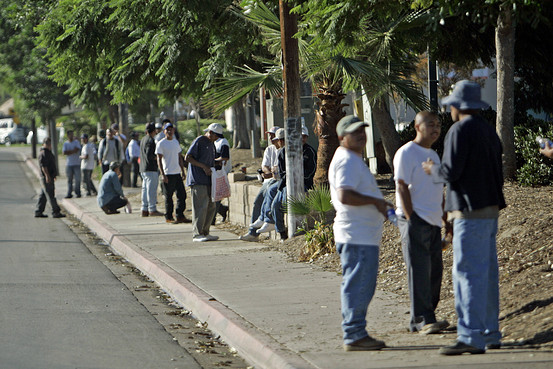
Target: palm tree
332,69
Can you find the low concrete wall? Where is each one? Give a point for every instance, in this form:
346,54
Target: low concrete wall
243,194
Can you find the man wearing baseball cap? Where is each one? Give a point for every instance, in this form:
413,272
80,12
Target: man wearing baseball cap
360,214
201,158
269,169
222,161
472,168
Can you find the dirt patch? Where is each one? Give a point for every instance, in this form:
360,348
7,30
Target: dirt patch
525,253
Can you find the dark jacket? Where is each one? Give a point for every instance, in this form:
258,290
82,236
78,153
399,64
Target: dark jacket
471,166
309,166
47,160
148,157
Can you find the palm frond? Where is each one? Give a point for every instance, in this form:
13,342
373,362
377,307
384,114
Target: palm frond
227,91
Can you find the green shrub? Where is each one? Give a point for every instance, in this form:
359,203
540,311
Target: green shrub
534,169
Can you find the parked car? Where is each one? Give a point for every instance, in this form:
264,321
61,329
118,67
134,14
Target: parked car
11,132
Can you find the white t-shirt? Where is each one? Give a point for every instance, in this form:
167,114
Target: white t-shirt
358,225
220,143
270,158
170,150
426,196
88,149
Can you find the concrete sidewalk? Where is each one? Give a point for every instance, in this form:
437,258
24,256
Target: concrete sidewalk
275,313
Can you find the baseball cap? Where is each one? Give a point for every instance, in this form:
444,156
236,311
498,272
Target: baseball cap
84,135
280,134
115,126
159,125
348,124
168,125
304,131
215,128
273,130
149,127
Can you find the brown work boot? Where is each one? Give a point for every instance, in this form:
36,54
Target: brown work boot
365,344
156,214
182,219
144,213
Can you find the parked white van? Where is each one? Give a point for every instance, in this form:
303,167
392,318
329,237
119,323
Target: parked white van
11,132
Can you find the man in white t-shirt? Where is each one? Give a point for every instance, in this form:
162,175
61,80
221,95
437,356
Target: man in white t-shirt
171,167
88,162
419,208
360,213
269,167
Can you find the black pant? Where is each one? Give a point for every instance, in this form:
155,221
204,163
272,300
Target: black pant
116,203
47,194
134,171
422,252
174,184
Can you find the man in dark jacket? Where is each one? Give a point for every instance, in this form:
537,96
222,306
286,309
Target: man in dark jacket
472,168
149,172
48,173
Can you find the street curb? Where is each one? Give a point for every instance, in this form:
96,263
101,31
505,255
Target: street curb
255,346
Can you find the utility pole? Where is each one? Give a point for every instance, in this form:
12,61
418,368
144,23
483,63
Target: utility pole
432,82
292,107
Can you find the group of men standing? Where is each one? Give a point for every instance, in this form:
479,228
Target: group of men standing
471,167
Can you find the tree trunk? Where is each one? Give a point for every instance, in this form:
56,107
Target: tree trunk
505,56
241,137
327,117
385,124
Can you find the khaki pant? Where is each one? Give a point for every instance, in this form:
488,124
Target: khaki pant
203,209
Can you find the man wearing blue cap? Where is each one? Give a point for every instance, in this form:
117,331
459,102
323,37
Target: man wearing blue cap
472,168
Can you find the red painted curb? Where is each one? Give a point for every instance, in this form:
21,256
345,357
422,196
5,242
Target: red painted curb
255,346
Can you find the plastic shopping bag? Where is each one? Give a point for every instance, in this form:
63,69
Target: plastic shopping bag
220,186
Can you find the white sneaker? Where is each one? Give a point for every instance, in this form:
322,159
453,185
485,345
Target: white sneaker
248,237
258,223
200,239
266,227
212,238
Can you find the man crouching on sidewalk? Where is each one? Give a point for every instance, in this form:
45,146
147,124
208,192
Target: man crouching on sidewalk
360,213
110,193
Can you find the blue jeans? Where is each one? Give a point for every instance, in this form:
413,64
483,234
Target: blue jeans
73,171
149,190
359,272
476,281
278,211
267,205
258,202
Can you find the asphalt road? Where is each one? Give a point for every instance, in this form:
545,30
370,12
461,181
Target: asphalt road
60,307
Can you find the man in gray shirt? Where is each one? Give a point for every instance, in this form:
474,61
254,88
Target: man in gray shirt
110,150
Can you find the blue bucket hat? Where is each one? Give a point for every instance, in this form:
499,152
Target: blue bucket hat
466,95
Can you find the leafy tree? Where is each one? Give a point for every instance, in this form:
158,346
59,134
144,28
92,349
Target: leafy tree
503,15
334,67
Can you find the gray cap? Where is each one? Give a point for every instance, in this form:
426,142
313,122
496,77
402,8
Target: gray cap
349,124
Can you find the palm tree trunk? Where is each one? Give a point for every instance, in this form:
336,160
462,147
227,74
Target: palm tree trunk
326,118
385,124
241,138
505,54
